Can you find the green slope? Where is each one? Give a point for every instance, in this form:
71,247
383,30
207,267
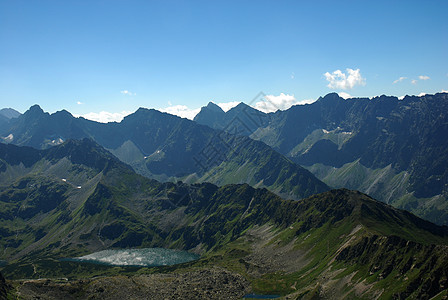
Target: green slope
340,242
348,142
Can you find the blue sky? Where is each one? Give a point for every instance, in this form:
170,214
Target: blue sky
115,56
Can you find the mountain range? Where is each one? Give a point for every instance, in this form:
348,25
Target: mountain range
392,149
219,186
76,198
169,148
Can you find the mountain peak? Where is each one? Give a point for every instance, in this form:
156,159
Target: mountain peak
85,151
330,97
36,108
142,109
63,113
245,107
9,113
145,113
212,106
209,113
240,106
34,111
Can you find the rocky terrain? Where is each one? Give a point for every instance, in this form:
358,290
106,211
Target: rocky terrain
393,149
4,288
212,283
77,198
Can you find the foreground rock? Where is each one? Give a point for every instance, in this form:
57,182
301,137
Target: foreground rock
214,283
3,288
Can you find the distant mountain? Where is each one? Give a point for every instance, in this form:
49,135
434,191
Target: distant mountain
210,115
392,149
6,114
241,119
166,147
9,113
77,198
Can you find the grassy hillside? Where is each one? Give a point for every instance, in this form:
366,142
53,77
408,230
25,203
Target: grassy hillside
77,198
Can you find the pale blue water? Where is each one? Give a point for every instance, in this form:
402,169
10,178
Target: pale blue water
148,257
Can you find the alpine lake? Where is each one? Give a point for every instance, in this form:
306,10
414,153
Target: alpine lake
147,257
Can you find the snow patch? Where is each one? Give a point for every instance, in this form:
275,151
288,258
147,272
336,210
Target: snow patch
9,138
57,141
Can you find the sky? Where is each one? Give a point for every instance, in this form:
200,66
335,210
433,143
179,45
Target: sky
105,59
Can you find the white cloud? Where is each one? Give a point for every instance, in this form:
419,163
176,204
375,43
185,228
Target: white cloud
105,117
344,81
344,95
421,94
226,106
400,79
272,103
444,91
182,111
423,77
79,102
126,92
414,81
293,75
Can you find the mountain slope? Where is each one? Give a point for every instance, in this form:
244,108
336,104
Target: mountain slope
392,149
78,189
77,198
401,138
166,147
210,115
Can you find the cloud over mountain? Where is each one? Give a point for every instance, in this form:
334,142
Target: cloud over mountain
182,111
344,81
272,103
106,117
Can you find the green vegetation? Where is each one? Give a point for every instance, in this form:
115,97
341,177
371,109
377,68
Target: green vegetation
393,150
340,242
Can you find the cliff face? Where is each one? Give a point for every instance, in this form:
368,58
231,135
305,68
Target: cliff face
4,287
388,148
398,257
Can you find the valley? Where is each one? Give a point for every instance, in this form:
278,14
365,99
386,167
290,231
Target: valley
250,240
254,220
171,150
